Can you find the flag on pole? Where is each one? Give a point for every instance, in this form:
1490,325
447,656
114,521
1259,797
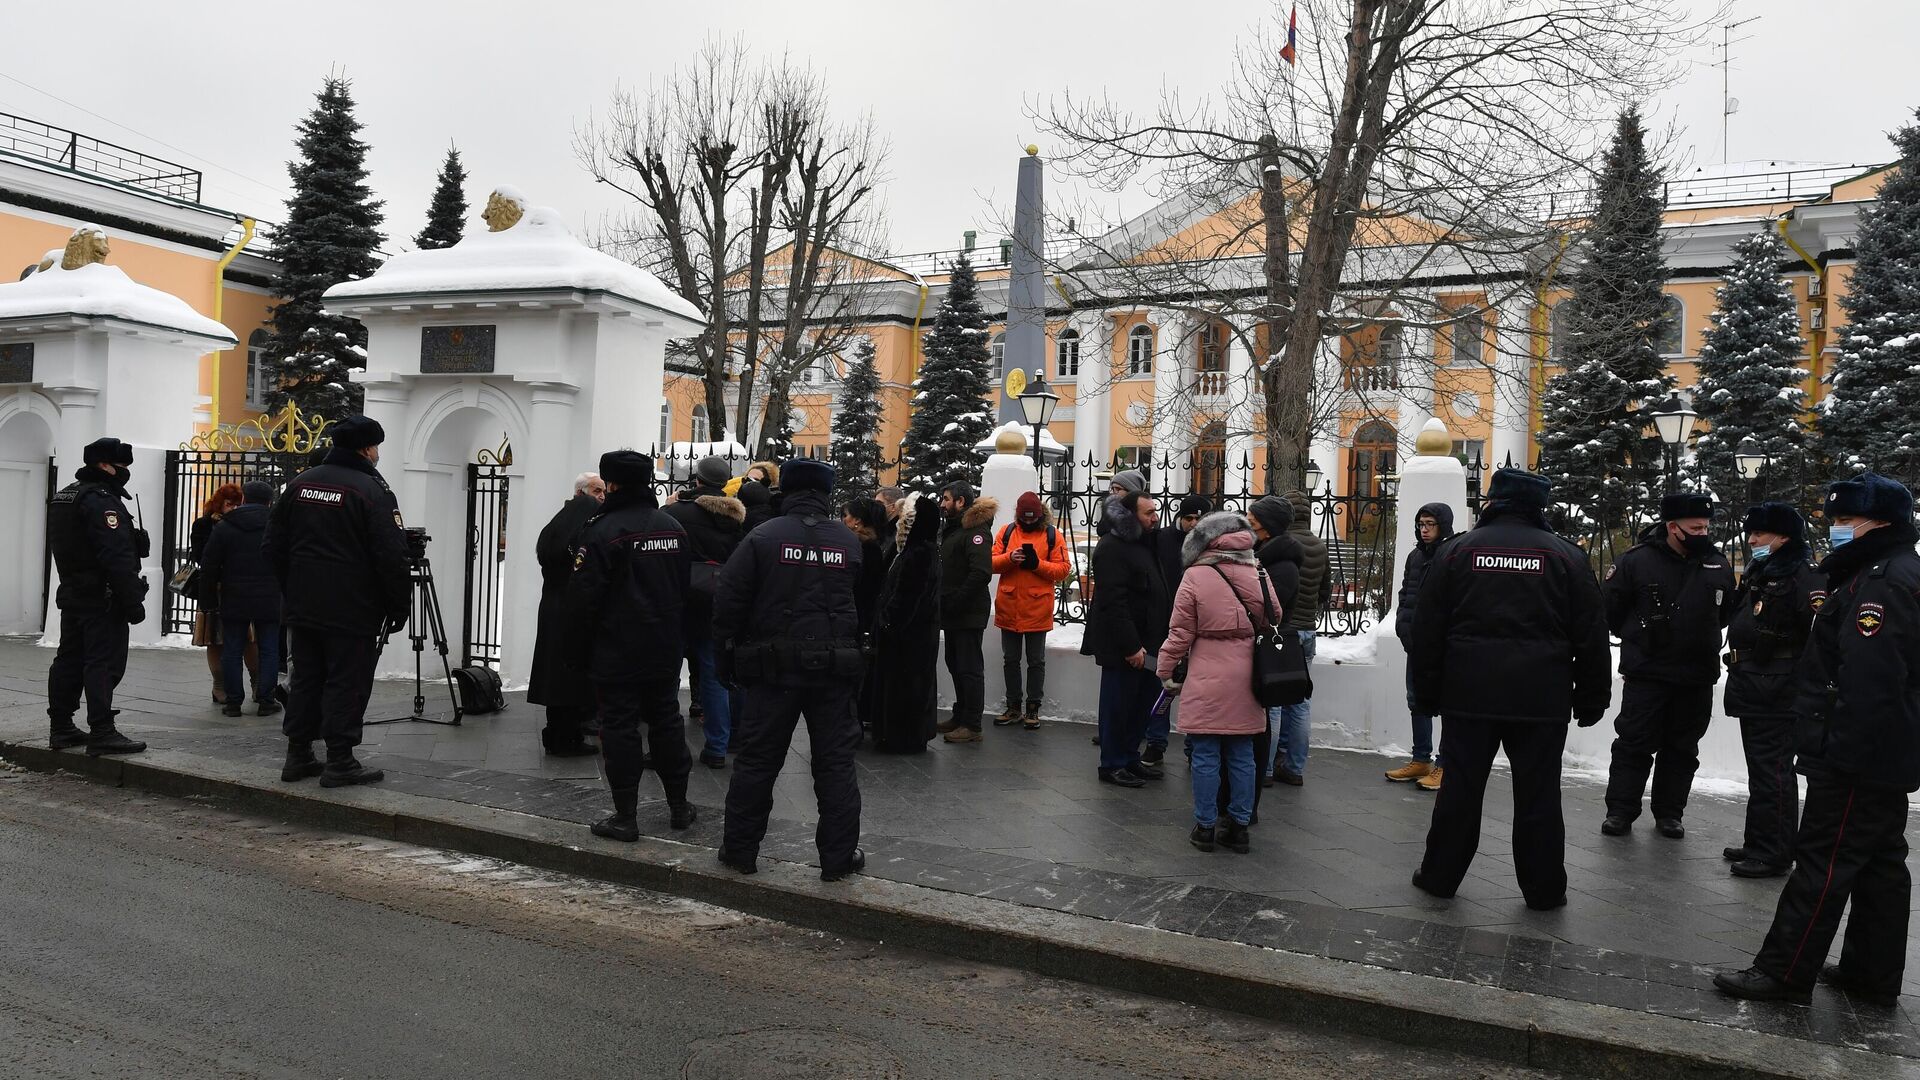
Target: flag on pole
1287,51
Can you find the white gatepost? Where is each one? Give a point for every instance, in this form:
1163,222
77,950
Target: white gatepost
1512,386
522,342
1243,394
1172,405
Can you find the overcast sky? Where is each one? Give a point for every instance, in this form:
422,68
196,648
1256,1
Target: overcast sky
225,82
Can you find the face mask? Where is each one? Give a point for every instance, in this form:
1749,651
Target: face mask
1760,551
1698,545
1840,536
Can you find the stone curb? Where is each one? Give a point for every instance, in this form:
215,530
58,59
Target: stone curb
1496,1024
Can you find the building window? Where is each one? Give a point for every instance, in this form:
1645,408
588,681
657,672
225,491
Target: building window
1132,457
1669,338
1471,452
1213,347
817,373
257,391
1140,350
1066,352
1559,334
1470,339
666,425
997,349
700,427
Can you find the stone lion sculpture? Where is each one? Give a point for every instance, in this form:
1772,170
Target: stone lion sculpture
86,246
505,207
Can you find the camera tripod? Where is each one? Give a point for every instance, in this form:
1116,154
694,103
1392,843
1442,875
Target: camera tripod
425,620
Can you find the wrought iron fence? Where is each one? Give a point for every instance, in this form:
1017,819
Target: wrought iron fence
192,478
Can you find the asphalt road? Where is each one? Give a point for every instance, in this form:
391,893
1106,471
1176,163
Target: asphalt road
143,936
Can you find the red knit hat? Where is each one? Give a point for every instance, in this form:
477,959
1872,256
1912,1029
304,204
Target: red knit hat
1029,503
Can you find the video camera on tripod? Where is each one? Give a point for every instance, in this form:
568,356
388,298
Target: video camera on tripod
417,541
424,622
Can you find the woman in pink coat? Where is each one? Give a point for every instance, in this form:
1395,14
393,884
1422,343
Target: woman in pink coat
1208,661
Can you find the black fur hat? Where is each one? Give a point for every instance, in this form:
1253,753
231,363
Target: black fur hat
357,433
109,450
1870,495
1777,518
806,474
1518,487
1686,504
628,468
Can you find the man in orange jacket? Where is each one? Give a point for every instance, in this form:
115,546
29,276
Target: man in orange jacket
1031,559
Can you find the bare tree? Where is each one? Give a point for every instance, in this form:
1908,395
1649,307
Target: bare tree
1419,140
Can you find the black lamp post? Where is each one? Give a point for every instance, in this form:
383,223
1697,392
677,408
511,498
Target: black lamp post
1751,462
1037,403
1673,422
1312,475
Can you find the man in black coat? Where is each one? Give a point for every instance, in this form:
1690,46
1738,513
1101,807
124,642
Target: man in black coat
1432,525
1283,557
624,603
1509,639
789,633
1858,730
1668,597
902,702
237,582
554,684
97,548
1772,616
339,550
966,603
714,524
1126,625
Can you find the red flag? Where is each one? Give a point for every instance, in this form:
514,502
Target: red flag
1287,52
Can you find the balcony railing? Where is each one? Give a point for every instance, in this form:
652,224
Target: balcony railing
1371,378
1210,384
97,157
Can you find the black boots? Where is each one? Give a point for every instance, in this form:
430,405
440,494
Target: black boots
1670,828
682,815
854,866
566,744
63,735
1201,837
1233,837
348,772
1616,825
620,825
110,741
1753,984
300,763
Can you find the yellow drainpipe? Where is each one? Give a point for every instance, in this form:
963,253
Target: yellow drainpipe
1816,338
219,303
1537,377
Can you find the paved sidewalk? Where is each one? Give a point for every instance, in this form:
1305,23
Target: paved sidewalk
1021,818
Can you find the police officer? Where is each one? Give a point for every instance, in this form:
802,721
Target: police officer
1772,615
339,547
1509,639
98,549
1667,599
785,622
1857,723
625,601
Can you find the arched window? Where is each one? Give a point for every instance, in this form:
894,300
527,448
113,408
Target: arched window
700,425
1391,348
666,425
257,388
1470,339
1374,456
1140,350
1558,332
997,349
1066,353
1669,338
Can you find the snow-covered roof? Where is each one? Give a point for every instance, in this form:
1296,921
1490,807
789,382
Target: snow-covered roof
101,290
537,252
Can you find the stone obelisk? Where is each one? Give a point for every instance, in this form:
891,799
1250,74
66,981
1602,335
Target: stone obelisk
1027,291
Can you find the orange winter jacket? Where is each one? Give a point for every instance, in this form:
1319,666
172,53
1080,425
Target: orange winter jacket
1024,600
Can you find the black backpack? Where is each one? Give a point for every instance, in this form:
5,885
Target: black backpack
480,690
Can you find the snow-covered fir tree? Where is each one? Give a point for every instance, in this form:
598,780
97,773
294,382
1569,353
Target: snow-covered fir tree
952,410
330,235
779,445
1751,381
856,451
447,217
1594,444
1872,418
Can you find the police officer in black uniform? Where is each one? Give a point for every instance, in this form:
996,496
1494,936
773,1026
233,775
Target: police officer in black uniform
785,622
98,548
1857,717
1668,597
1772,616
625,602
339,547
1509,639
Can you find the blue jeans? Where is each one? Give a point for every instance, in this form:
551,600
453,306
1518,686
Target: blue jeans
233,658
1126,697
1289,723
1207,753
716,700
1422,728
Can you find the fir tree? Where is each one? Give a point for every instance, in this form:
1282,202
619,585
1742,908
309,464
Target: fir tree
1594,445
1872,418
330,235
1750,377
447,217
951,411
856,452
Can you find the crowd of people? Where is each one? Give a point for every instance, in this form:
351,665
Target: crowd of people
783,604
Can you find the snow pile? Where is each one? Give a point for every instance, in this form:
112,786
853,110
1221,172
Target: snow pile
1048,443
107,291
538,252
1344,649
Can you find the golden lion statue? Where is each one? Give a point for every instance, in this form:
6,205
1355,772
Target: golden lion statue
87,245
505,207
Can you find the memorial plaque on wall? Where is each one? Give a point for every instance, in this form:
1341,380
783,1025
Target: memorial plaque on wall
456,350
16,363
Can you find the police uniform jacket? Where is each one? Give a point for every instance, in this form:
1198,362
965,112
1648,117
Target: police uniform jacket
1132,602
627,591
339,549
966,568
1668,611
1772,616
95,546
1509,627
783,611
1858,705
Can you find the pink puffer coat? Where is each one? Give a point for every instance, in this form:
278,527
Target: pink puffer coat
1212,629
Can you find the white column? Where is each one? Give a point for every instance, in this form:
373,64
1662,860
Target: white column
1512,383
1325,449
1092,399
1243,386
1172,406
1413,403
539,483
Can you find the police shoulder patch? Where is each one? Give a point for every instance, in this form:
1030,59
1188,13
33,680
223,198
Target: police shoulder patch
1817,598
397,521
1869,619
113,519
1610,571
579,558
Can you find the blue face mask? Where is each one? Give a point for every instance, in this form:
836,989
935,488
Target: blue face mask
1760,550
1839,536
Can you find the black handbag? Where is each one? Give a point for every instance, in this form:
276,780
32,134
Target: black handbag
1280,674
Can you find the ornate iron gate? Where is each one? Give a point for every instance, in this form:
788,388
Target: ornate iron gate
486,554
192,478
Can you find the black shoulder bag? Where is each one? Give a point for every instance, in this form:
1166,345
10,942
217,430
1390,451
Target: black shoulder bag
1280,676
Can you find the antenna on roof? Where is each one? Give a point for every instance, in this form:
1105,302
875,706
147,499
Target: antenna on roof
1728,103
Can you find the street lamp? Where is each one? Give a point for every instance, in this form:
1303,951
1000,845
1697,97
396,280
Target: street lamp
1312,475
1037,403
1750,461
1673,421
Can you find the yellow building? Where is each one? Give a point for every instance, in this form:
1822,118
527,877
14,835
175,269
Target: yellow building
53,181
